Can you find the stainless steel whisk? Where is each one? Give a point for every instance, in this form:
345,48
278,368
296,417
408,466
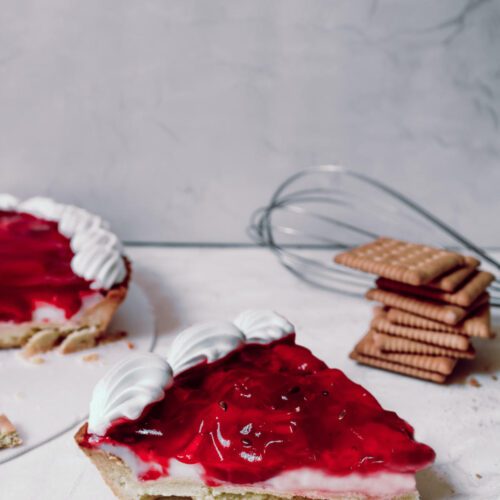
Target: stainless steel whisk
329,208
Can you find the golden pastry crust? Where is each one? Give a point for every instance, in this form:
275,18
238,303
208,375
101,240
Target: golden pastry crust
36,337
122,481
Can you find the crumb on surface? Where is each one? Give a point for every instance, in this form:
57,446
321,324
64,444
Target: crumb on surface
9,438
130,345
37,360
474,382
479,476
89,358
494,377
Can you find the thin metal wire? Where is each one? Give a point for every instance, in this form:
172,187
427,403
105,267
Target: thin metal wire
329,208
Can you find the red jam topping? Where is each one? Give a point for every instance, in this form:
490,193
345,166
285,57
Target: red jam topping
266,409
35,268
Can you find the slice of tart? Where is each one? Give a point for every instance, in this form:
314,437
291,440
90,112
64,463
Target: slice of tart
240,410
62,275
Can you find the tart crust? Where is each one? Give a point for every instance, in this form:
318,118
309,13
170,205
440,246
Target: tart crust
37,336
124,484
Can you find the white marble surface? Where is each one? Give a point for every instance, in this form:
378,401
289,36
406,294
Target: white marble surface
190,285
176,118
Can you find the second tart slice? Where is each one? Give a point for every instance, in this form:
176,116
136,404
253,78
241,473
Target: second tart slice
241,409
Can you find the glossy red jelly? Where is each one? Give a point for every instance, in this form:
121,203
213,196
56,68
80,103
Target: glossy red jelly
266,409
35,268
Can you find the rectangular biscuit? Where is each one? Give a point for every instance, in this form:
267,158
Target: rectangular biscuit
445,313
450,281
401,261
463,297
438,364
397,368
450,340
390,344
477,324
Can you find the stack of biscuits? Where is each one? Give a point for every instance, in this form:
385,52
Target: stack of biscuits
433,302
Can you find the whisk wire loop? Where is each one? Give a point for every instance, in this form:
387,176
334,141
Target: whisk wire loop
325,209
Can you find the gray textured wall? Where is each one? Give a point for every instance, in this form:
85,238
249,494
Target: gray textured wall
175,119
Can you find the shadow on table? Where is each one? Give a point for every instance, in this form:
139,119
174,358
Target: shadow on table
433,487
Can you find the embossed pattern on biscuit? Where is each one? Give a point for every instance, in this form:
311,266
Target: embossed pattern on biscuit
451,280
445,313
401,261
391,344
443,339
398,368
477,324
463,297
439,364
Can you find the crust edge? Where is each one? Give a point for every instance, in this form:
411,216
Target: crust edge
122,481
94,322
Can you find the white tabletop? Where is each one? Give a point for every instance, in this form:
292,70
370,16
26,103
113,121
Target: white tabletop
461,422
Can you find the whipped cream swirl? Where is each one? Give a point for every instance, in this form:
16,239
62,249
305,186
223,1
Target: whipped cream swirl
206,342
98,253
8,202
130,386
140,380
263,326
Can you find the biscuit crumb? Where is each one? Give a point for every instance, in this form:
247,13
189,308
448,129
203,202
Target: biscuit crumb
130,345
90,358
479,476
474,382
9,438
494,377
37,360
